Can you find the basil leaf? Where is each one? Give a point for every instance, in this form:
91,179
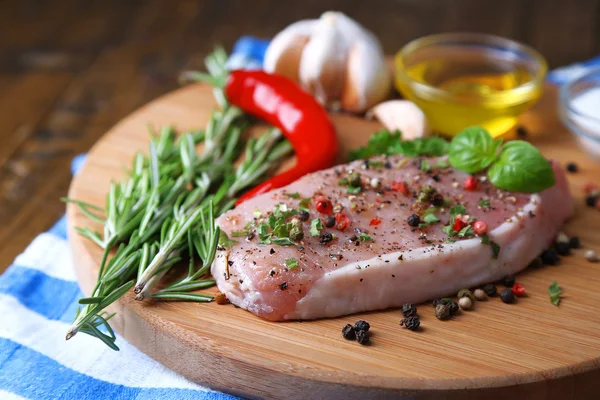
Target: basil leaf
456,210
521,168
473,150
387,143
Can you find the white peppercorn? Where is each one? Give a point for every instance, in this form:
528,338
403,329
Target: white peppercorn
591,256
465,303
479,294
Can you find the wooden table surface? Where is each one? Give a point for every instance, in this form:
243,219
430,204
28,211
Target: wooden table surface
70,69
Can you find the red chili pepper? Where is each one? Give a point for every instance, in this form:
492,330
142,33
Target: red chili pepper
341,221
375,221
303,122
323,205
458,223
471,183
400,187
518,290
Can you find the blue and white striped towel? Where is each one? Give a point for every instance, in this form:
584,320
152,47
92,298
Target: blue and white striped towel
38,298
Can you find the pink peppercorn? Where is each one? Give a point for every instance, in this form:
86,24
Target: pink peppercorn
480,228
471,183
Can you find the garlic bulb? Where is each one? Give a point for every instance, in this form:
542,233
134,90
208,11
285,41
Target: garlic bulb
402,115
334,58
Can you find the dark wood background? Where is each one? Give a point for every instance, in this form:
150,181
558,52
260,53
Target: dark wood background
70,69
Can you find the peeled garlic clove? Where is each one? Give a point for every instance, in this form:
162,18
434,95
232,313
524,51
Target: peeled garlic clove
285,50
402,115
323,61
367,78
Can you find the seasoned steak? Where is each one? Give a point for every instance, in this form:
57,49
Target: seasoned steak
390,231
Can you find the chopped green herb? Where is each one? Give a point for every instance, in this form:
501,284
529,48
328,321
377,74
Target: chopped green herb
450,241
467,231
281,229
239,233
375,163
495,248
272,221
304,203
430,210
555,292
431,218
447,229
484,203
257,214
225,241
291,263
283,241
282,211
264,236
354,189
485,239
456,210
295,195
425,166
343,181
443,163
387,143
315,227
364,237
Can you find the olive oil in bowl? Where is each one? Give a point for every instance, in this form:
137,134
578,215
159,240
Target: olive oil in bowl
461,80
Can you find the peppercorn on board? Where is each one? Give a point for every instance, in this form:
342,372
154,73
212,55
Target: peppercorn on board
531,348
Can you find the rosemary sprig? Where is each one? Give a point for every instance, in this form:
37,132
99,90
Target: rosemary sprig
165,210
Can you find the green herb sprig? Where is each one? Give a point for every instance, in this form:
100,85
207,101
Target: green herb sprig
164,210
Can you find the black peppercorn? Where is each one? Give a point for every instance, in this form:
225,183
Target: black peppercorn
574,242
361,325
409,309
507,296
442,311
329,221
590,200
490,290
453,306
563,248
550,257
326,238
449,303
437,200
412,323
387,165
348,332
362,337
414,220
535,263
283,286
521,131
508,281
303,215
572,167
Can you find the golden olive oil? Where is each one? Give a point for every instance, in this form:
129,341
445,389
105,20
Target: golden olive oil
473,90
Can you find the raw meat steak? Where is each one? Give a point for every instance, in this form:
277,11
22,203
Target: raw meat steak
379,260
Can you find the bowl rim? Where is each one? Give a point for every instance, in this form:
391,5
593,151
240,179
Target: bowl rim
472,38
565,100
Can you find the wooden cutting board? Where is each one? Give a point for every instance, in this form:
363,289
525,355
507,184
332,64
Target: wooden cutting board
531,349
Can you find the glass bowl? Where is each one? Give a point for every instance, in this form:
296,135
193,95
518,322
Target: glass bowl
466,79
579,109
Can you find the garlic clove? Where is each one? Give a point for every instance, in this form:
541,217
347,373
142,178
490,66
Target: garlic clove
368,79
285,50
402,115
323,61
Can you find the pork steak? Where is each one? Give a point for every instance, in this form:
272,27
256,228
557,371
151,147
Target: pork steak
377,254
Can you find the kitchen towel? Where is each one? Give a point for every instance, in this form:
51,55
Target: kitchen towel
38,299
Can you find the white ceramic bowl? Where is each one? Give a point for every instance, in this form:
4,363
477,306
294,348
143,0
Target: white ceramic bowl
579,109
